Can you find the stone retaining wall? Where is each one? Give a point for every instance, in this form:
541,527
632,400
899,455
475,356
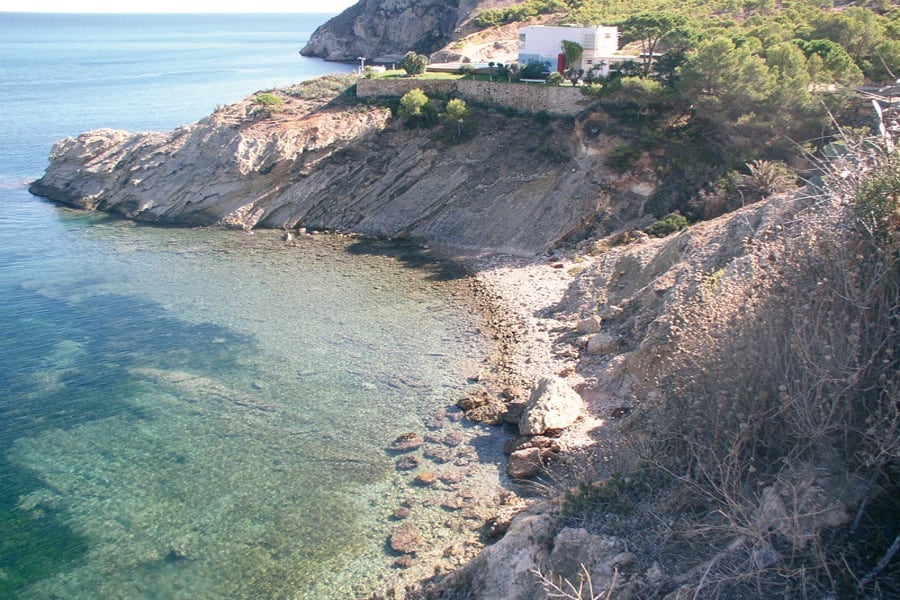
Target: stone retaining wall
525,97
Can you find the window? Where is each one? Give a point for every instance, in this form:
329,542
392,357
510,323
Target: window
521,38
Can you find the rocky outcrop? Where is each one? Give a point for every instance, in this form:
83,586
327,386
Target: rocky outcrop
535,553
498,44
405,539
505,570
378,28
517,187
553,406
231,167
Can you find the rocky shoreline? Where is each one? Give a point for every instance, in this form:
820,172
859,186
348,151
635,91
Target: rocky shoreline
518,300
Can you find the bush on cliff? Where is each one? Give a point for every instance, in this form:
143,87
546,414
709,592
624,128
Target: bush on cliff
668,225
266,104
416,109
325,87
458,124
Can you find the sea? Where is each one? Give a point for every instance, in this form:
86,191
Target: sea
201,413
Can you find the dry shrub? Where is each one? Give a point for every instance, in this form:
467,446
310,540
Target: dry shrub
783,410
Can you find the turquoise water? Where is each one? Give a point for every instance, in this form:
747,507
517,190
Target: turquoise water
195,413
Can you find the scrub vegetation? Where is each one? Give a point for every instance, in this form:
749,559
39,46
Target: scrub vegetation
720,85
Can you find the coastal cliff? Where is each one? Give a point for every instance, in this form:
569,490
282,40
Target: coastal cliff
321,165
375,28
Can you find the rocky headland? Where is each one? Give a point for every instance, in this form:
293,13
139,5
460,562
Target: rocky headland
377,29
320,165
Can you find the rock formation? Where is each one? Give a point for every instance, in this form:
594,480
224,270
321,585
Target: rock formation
318,165
553,406
379,28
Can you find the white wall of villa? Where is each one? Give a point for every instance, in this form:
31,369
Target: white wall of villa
543,43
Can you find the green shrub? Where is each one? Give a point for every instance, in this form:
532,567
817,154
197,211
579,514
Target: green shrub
554,151
327,86
622,157
416,109
413,64
669,224
534,70
766,177
877,198
555,78
542,117
519,12
266,104
458,125
588,499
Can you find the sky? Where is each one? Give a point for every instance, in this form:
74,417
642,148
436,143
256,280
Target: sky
174,6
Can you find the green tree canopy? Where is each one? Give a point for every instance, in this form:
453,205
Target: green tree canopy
416,108
413,64
573,52
456,110
837,64
555,78
457,122
656,30
733,77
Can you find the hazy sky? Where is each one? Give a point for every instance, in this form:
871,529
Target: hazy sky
173,6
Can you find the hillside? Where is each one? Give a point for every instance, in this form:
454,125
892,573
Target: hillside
741,436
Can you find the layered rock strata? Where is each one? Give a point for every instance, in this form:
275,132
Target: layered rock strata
517,187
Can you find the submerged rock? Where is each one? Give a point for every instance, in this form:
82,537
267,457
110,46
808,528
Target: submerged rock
406,538
523,464
489,414
427,478
407,463
407,442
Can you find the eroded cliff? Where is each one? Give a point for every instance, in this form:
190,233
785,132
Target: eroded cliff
374,28
516,187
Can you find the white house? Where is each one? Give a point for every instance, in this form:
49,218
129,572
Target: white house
542,43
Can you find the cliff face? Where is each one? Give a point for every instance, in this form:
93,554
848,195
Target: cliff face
517,187
373,28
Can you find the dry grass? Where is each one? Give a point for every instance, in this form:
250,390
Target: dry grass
783,407
583,589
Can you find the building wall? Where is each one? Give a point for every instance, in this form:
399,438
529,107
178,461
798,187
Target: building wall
530,98
543,44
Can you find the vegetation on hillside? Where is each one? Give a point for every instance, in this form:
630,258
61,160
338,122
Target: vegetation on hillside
772,456
721,83
266,104
334,87
783,393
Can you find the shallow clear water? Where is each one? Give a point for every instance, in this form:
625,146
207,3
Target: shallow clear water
195,413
